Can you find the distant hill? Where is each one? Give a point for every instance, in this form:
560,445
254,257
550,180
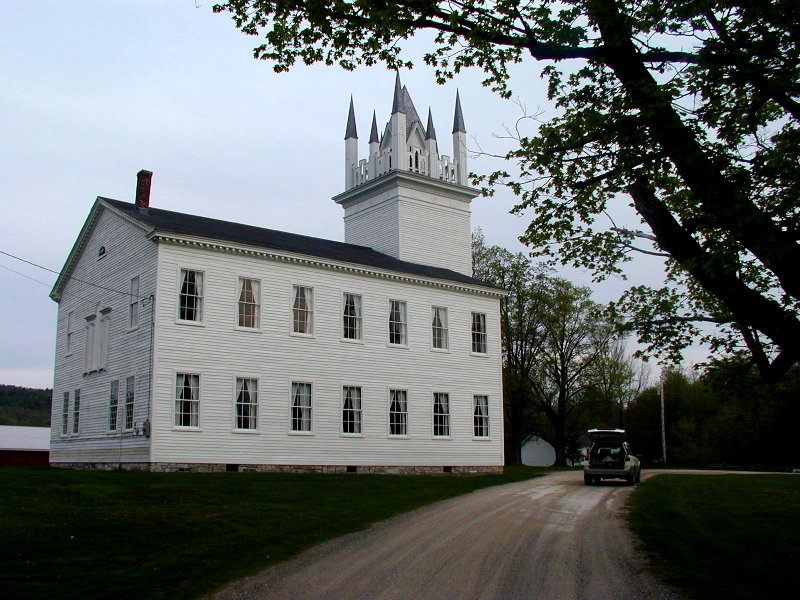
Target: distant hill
24,406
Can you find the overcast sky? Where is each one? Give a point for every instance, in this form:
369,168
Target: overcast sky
92,92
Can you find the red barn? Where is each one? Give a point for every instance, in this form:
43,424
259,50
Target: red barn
24,446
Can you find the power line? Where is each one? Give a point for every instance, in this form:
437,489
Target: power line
25,276
102,287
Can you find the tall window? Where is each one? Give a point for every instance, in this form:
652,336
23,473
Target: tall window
246,403
190,301
130,393
76,411
113,405
187,400
65,414
301,407
70,329
133,306
249,302
303,310
441,414
479,333
351,317
439,327
96,351
480,416
398,412
397,322
351,409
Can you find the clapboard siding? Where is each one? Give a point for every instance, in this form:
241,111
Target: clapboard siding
376,227
95,282
218,352
436,234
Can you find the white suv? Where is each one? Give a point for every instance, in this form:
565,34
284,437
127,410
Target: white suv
610,457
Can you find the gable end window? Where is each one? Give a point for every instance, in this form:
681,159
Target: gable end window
351,410
76,411
397,323
246,403
65,414
301,406
480,416
302,309
479,333
190,298
130,393
439,330
441,414
113,406
96,350
70,331
249,303
187,400
133,306
351,316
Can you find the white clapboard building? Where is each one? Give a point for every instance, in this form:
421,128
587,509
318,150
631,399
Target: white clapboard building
188,343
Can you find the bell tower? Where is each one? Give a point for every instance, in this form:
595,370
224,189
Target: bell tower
405,199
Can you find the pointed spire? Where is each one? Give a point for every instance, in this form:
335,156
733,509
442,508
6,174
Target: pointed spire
373,134
458,119
351,122
430,132
397,102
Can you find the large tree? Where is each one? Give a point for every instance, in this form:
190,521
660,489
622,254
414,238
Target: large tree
686,110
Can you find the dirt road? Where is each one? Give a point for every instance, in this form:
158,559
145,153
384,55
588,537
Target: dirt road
547,538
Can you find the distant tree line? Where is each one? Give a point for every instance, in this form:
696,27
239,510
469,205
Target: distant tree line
725,417
25,406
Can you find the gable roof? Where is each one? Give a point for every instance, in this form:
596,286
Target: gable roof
165,221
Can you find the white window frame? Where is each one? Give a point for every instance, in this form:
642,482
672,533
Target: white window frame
352,324
308,311
70,333
440,342
199,296
255,305
130,402
479,337
76,412
480,422
96,351
113,405
352,417
133,303
245,409
306,414
398,328
403,421
186,408
441,418
65,413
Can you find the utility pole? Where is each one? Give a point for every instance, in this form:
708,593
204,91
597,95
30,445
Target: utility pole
663,422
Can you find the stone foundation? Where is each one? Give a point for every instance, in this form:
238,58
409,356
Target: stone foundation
266,468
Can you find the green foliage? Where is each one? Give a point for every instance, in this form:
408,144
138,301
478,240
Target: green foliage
24,406
686,112
729,416
721,537
562,371
86,535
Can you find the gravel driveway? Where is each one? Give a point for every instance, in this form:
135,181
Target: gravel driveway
547,538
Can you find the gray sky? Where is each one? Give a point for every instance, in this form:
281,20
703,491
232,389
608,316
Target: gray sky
92,92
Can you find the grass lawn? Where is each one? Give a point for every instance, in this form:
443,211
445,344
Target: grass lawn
725,537
92,534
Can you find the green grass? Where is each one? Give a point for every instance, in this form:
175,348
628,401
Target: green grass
727,537
84,535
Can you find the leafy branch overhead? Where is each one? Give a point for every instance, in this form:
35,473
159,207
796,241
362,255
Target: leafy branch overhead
685,110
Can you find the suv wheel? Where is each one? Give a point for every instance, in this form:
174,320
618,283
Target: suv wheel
588,480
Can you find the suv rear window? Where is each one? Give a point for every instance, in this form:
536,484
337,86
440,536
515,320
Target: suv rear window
607,454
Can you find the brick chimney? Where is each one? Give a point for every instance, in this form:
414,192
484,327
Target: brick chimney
143,179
